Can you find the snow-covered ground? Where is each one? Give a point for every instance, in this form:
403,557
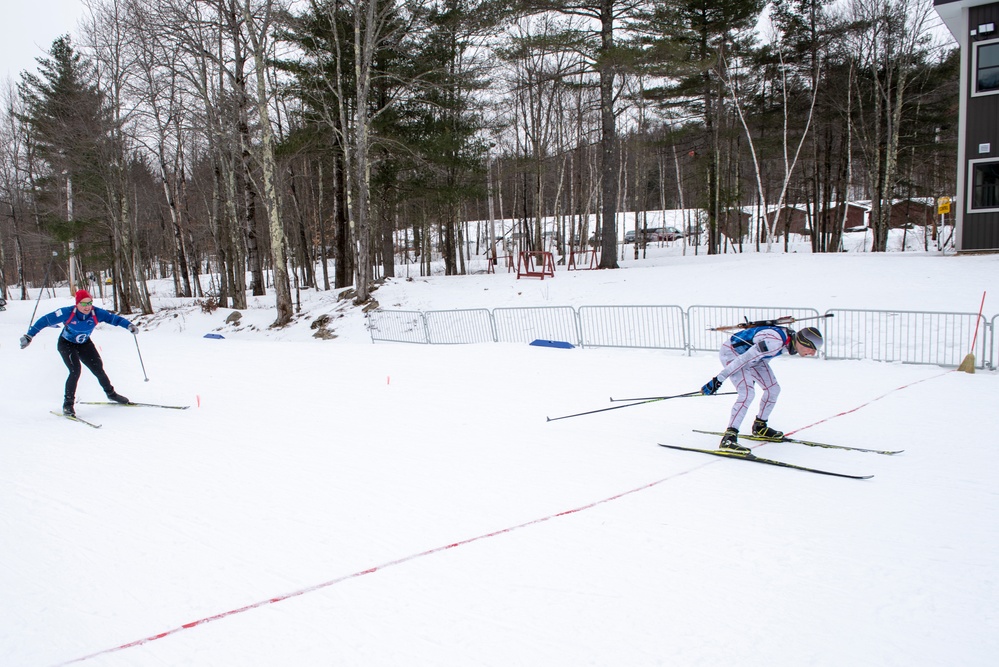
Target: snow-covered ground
338,502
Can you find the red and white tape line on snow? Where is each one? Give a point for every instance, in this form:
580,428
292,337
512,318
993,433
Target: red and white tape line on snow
429,552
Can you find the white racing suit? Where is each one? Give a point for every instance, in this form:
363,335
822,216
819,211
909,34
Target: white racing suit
746,359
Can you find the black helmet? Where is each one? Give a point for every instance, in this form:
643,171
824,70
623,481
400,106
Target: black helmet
809,337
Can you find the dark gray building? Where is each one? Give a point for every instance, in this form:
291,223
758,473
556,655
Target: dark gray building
975,26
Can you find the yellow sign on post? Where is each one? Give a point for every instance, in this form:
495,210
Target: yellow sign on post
943,205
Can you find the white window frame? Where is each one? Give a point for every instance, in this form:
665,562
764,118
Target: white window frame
974,68
971,186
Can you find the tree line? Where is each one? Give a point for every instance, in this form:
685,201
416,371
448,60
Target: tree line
238,145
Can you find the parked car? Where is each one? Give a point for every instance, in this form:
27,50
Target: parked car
663,234
645,235
672,233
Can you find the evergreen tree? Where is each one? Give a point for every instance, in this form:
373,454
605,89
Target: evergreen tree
697,36
442,121
71,127
316,33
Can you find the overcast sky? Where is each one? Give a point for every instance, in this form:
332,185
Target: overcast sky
28,29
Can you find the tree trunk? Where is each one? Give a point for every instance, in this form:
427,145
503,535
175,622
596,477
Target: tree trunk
268,165
608,142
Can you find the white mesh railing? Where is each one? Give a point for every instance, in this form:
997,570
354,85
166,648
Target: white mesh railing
936,338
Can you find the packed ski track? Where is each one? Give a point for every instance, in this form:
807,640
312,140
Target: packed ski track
341,502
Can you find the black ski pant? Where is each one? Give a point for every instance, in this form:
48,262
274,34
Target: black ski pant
75,354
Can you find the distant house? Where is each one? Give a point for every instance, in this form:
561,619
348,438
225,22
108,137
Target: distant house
803,222
975,26
858,216
794,219
920,212
916,211
799,219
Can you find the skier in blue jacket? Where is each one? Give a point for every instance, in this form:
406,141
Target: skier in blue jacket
746,359
76,347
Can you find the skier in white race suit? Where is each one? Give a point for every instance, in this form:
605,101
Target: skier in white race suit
745,361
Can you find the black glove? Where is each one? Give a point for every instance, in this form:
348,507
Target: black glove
711,387
25,341
133,329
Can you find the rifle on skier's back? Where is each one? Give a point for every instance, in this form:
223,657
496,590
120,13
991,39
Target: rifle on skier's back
779,322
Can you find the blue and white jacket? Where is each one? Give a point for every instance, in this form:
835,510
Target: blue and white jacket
77,327
757,345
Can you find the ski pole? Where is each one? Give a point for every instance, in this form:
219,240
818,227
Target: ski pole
45,283
140,357
663,398
640,402
787,319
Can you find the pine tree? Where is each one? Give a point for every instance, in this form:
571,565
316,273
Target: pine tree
695,36
442,122
70,126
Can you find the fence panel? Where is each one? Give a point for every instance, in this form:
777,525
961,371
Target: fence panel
910,337
701,318
913,337
633,326
993,342
460,326
523,325
397,326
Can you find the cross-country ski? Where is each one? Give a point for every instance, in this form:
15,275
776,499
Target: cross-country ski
75,418
133,404
757,459
808,443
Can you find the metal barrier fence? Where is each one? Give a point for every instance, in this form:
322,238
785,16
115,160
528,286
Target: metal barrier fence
912,337
633,326
522,325
992,342
459,326
398,326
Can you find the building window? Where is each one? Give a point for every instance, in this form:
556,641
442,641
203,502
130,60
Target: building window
984,185
987,67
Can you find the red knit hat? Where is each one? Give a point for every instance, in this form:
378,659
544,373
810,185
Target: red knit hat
81,295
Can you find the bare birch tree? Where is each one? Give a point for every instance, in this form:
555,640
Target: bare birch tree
13,184
258,28
540,67
788,161
374,25
108,36
154,84
887,48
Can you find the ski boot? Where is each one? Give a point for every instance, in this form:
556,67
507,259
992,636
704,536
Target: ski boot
761,430
67,407
118,398
730,443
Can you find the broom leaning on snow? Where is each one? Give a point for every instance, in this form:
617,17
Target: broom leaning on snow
968,365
